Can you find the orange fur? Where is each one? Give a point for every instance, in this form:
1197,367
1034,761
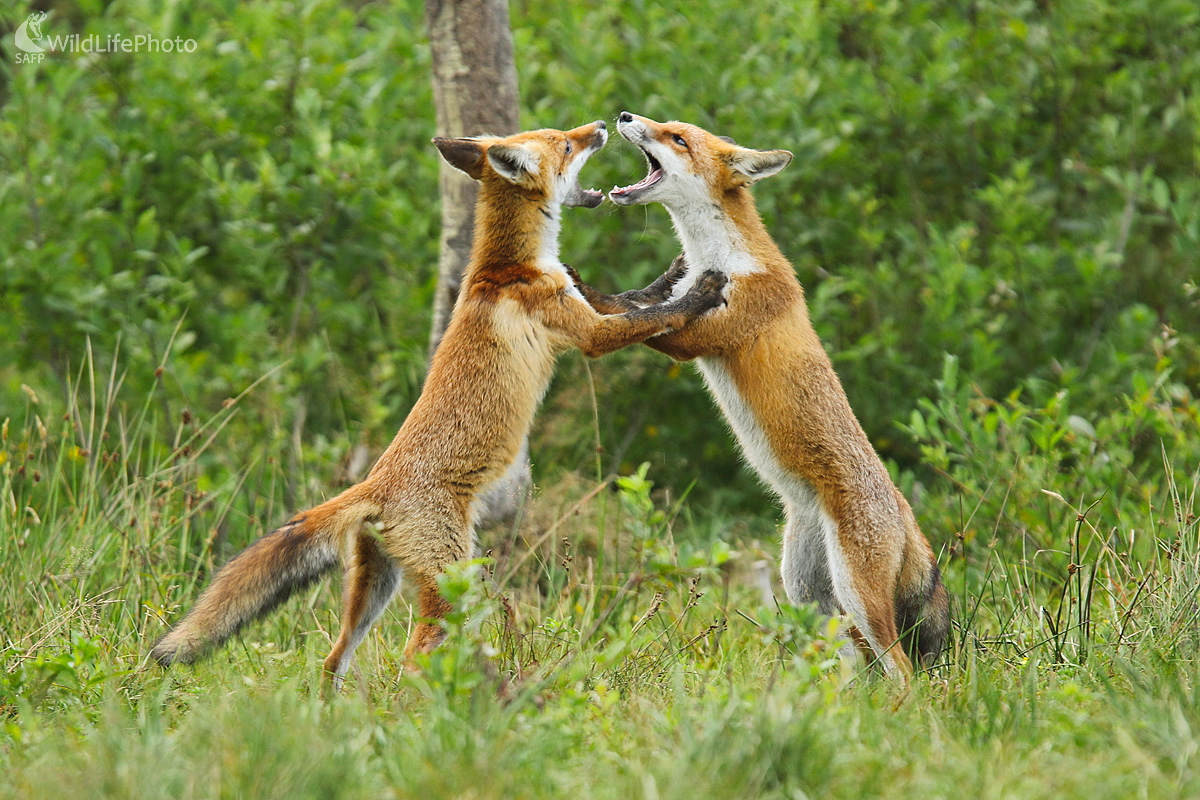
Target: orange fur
517,311
852,541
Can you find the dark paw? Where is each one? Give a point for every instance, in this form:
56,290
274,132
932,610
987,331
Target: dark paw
709,289
676,271
573,274
631,299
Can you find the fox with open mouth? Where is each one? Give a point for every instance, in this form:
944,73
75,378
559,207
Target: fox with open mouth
517,311
851,543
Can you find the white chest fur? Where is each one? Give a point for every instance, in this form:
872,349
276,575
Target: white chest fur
710,242
749,433
797,494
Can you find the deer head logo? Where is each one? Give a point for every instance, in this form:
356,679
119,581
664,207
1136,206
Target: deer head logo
29,33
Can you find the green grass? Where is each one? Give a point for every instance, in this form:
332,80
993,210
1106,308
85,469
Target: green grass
616,642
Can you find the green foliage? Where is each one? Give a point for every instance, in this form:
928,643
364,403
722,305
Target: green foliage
1015,186
260,201
68,677
808,642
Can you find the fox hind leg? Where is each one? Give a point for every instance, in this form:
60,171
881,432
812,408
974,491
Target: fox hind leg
372,578
807,577
431,608
923,615
865,588
805,566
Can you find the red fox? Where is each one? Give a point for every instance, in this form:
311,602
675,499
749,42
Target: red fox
850,543
517,311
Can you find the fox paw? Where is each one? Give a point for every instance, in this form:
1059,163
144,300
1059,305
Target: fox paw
676,271
573,274
710,289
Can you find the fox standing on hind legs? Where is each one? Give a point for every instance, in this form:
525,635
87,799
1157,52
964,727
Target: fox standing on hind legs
517,311
851,543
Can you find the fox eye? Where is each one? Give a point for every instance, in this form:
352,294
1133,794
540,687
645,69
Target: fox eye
679,140
568,148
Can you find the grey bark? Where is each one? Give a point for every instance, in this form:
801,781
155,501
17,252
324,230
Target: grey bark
474,92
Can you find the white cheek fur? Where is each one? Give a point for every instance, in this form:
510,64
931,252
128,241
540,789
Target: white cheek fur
710,240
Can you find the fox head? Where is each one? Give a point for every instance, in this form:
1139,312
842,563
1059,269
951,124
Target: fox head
688,166
543,166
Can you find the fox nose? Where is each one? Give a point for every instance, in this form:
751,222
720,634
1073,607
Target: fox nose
625,116
601,124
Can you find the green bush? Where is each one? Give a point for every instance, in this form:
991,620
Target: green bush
1012,184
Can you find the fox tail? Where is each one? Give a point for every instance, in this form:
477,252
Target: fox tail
264,575
923,616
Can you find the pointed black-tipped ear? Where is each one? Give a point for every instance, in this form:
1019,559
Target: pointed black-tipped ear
759,164
513,162
465,155
727,139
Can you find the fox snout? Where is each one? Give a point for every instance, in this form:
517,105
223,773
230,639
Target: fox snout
637,130
624,118
631,126
592,136
583,141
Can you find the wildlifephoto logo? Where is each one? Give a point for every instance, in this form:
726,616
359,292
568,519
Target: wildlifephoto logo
33,44
29,33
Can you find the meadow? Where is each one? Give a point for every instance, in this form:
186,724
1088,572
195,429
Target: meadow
215,281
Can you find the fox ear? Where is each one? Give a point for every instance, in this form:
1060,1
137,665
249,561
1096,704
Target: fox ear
513,162
759,164
462,154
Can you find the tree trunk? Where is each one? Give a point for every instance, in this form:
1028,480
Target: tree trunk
474,92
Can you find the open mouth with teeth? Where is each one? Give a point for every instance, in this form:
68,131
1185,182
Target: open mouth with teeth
579,196
587,198
628,194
